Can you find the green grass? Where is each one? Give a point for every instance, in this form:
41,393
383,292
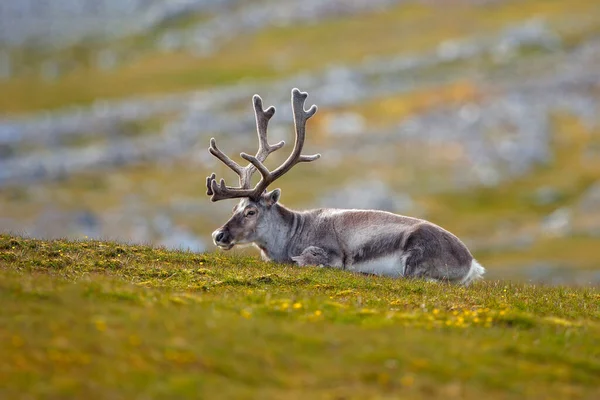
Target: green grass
105,320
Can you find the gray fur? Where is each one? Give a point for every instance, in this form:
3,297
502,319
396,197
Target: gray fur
367,241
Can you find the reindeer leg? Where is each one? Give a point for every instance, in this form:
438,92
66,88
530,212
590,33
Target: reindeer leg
313,255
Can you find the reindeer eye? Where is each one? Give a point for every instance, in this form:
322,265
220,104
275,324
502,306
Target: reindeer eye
250,213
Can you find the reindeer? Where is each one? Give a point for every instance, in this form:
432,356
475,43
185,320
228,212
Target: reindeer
366,241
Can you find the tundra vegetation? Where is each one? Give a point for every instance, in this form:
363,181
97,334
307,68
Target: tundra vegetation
530,225
93,319
97,319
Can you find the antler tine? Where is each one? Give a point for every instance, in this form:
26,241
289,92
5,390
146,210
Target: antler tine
223,157
262,121
219,191
264,148
300,118
209,180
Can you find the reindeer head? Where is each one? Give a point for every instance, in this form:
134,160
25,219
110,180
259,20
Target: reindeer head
252,217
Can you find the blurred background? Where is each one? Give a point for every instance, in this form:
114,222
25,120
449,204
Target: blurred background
479,115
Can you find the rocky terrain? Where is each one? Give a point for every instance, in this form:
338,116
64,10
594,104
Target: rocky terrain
526,108
39,24
498,112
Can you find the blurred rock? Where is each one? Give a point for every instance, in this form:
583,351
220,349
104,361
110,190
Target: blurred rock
5,65
139,230
370,194
54,223
12,226
454,50
546,195
345,124
506,241
540,271
162,223
88,224
558,223
181,239
50,70
590,200
470,113
587,212
106,60
557,274
525,108
170,41
60,23
534,31
63,22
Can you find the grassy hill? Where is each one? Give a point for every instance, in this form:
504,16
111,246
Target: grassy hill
95,319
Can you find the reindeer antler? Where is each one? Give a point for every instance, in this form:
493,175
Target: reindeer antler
219,191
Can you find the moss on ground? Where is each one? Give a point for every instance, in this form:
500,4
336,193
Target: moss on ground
99,319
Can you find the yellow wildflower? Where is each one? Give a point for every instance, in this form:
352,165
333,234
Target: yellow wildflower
100,325
407,380
17,341
134,340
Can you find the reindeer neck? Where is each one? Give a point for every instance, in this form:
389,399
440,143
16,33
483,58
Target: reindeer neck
276,243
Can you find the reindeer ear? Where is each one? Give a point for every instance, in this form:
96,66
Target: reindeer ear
272,197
